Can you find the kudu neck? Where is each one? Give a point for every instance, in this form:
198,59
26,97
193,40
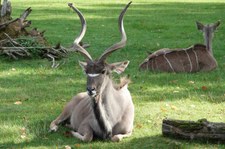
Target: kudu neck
100,108
208,41
107,87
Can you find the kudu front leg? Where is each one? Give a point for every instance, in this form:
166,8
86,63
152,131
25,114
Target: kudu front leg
119,137
67,111
84,133
54,124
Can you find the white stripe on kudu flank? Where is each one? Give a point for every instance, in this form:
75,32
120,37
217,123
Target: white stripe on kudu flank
93,74
196,56
189,60
168,62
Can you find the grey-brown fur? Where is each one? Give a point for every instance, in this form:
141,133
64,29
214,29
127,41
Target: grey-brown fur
193,59
106,110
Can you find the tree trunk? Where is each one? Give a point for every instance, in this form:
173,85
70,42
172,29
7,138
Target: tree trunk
191,130
6,8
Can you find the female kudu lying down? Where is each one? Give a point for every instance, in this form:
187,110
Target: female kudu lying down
105,110
193,59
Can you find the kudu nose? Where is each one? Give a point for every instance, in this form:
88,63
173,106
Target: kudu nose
91,90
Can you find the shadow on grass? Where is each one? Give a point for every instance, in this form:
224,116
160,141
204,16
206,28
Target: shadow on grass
60,140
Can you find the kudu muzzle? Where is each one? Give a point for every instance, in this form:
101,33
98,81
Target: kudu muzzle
91,91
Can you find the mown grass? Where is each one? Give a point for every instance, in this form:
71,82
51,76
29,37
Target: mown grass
150,25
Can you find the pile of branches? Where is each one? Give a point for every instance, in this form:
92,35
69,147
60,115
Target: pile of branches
27,47
16,41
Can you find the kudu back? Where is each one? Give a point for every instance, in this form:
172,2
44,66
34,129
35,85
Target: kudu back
106,110
196,58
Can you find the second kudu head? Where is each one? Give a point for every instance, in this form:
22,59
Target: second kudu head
97,71
208,32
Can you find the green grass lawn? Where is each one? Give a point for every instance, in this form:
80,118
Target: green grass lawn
150,25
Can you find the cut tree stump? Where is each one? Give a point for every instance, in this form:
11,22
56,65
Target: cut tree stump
194,130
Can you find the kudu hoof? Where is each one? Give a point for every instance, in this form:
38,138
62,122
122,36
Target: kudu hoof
116,139
53,128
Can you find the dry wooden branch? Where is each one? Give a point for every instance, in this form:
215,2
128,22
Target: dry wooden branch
17,45
17,50
22,20
54,65
4,25
191,130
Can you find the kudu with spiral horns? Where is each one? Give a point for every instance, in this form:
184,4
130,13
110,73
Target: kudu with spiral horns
106,110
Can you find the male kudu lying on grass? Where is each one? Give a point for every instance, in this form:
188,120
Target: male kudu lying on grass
106,110
196,58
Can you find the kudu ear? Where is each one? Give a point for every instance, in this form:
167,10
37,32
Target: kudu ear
200,26
119,67
215,25
83,65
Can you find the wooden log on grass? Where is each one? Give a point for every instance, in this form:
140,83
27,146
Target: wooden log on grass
194,130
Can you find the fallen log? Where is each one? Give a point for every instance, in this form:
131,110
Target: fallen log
194,130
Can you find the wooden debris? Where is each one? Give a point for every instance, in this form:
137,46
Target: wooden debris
191,130
18,41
